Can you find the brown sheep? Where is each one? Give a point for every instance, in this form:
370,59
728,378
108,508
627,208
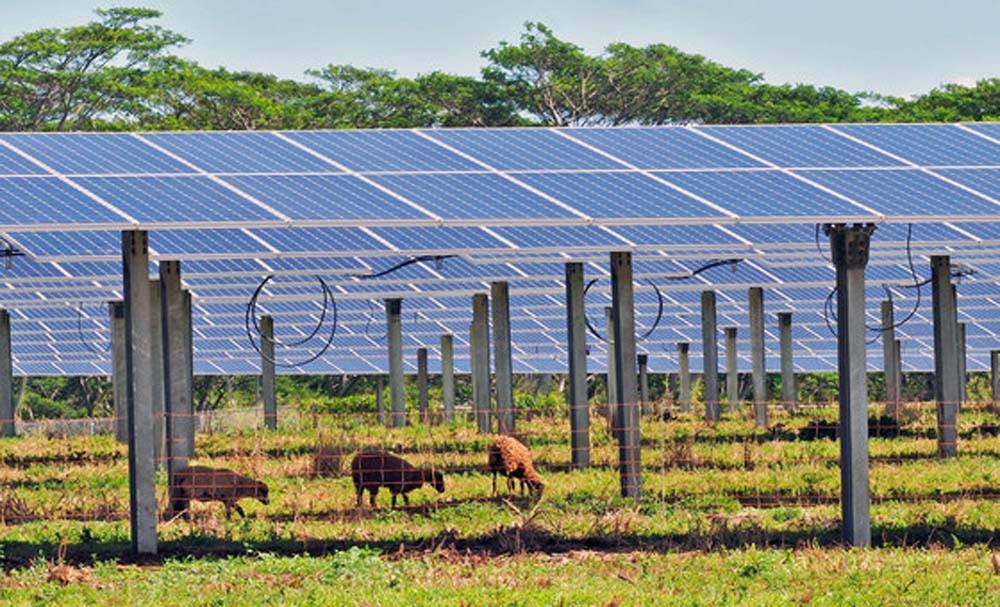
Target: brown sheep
509,457
217,485
372,470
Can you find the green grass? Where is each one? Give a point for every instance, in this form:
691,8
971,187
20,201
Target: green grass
729,515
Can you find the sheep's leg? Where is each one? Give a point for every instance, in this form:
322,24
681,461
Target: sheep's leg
494,492
406,499
360,492
372,492
229,510
239,510
522,487
394,494
510,484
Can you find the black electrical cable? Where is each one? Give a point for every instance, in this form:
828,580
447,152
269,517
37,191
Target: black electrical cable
645,334
83,340
251,312
327,296
403,264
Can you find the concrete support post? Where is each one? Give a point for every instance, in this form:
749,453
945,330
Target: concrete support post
576,395
139,382
963,378
448,377
789,391
119,389
732,371
380,399
946,379
159,390
623,303
849,247
995,376
6,378
503,367
267,380
684,376
612,375
710,356
889,363
188,330
480,353
758,362
644,383
397,392
178,410
423,402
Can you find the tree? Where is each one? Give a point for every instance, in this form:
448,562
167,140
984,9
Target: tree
82,77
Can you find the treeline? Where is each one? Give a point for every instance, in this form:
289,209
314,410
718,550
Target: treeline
120,72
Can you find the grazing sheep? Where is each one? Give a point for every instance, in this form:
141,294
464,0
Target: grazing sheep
509,457
217,485
372,470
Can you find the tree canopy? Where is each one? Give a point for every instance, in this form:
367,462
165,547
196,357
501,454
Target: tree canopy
121,72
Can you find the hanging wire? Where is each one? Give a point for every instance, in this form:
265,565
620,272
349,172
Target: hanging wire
659,296
435,258
254,324
368,324
83,340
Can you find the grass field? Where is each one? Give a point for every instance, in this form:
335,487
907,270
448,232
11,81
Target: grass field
730,514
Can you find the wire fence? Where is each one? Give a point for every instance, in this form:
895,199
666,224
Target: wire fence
331,466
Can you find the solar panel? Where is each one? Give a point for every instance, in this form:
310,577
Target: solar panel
479,197
663,148
523,149
765,194
327,198
44,201
800,146
927,144
95,153
177,200
240,152
620,196
373,151
905,193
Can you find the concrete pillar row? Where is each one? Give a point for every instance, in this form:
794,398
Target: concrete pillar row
849,247
576,395
397,391
684,376
623,304
448,376
480,361
139,382
119,390
755,299
267,380
503,366
732,370
6,378
789,391
423,400
947,390
710,356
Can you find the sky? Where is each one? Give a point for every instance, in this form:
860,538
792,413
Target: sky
896,47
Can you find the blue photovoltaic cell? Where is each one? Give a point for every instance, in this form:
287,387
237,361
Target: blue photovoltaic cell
47,200
663,148
618,195
928,144
193,242
688,236
375,150
982,230
70,244
763,194
317,240
896,233
441,238
22,267
241,152
95,153
14,164
523,149
779,234
990,129
325,197
478,196
800,146
559,236
903,192
340,265
175,199
984,181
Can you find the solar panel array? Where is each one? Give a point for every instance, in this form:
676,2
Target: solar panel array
433,216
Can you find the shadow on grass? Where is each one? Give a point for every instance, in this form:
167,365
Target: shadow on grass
526,537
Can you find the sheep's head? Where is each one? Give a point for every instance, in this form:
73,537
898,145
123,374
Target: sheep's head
535,486
261,493
436,480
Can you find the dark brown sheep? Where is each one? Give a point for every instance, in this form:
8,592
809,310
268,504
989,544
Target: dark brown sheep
217,485
372,470
509,457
